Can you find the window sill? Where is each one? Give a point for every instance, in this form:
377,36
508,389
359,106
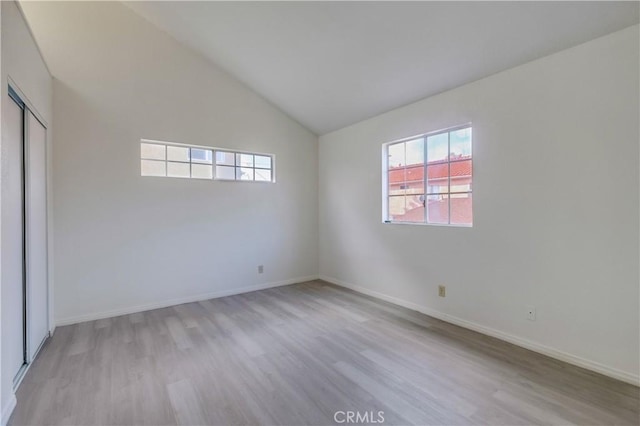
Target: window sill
445,225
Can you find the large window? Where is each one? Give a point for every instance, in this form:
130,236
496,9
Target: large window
183,161
428,179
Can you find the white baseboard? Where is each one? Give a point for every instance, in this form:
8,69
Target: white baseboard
528,344
179,301
6,411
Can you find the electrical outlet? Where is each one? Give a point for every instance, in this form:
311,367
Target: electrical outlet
442,291
531,313
260,269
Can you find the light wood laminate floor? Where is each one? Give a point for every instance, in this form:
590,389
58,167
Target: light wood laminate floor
295,355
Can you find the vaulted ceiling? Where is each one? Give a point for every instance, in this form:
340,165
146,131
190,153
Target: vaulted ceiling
332,64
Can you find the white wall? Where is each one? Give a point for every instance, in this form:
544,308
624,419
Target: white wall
125,242
555,207
23,65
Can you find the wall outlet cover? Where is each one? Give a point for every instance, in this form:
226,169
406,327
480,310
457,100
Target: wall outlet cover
442,291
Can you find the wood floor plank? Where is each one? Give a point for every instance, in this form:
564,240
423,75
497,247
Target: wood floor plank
186,403
296,355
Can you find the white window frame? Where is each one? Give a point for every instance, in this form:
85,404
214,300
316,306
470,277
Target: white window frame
214,150
385,178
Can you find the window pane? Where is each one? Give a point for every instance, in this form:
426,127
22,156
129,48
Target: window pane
437,147
263,162
414,152
263,175
461,176
461,209
152,151
153,168
201,171
178,170
245,160
406,180
461,143
225,172
396,189
413,187
438,178
226,158
396,179
415,173
201,155
460,188
244,173
406,208
177,153
414,206
396,155
437,209
396,207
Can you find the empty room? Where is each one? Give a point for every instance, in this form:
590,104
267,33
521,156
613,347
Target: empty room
319,213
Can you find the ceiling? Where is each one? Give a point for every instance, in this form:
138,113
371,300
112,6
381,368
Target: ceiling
332,64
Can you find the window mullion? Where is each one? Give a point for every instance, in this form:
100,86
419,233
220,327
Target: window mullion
388,172
425,178
214,174
449,177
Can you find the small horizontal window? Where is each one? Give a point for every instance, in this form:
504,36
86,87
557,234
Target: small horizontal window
183,161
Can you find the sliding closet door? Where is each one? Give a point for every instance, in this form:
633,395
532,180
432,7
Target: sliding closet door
36,234
13,301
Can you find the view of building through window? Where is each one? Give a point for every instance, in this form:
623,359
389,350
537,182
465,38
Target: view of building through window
429,179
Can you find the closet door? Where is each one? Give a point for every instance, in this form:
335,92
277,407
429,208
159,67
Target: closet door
13,301
36,234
